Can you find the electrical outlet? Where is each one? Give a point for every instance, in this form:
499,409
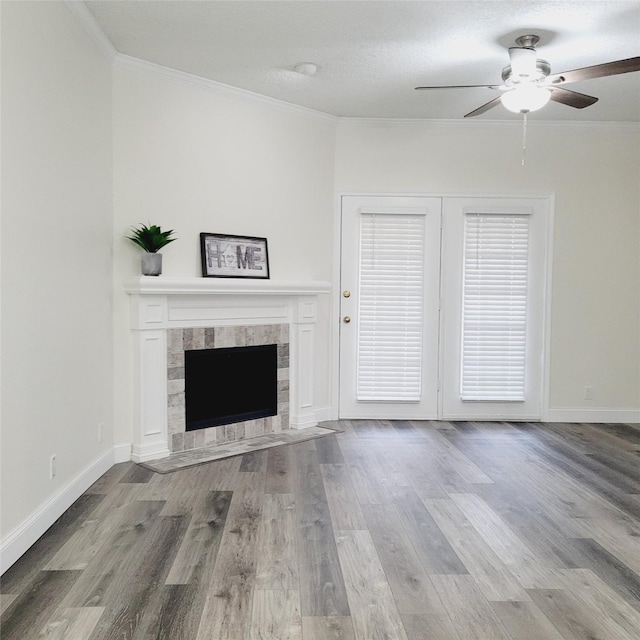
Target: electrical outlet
52,467
100,428
588,393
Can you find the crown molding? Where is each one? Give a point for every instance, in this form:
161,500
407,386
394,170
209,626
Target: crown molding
486,124
159,71
88,22
79,9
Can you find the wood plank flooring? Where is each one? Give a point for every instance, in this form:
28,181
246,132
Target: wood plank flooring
395,530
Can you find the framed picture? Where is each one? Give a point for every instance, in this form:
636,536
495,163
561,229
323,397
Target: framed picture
226,256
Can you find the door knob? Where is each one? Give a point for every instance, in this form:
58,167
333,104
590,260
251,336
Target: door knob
346,294
346,319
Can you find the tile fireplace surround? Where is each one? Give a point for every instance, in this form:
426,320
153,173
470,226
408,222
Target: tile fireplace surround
240,312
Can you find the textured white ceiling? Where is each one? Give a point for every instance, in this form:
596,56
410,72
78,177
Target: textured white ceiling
372,54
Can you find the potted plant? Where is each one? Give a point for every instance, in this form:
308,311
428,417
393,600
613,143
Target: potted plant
151,239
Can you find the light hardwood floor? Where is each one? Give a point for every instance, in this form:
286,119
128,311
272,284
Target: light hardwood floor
388,530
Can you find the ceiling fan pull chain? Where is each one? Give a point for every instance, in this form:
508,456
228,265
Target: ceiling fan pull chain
524,136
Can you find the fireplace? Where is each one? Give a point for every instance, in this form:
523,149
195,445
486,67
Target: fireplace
172,316
223,386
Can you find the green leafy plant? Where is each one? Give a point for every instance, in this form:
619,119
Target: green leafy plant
150,238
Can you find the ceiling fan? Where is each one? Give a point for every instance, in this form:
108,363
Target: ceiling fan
528,83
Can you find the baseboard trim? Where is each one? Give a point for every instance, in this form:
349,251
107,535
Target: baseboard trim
592,415
145,454
308,419
324,414
122,452
18,541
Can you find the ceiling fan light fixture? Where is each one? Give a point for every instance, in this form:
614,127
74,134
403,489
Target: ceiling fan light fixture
524,99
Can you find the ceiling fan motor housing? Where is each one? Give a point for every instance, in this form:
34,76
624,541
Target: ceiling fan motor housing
543,69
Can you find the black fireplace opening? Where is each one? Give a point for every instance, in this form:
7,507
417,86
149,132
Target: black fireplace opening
228,385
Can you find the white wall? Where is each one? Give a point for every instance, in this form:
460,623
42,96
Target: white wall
195,159
594,172
56,260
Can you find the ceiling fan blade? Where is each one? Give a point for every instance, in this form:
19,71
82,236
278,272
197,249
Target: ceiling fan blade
571,98
485,107
597,71
464,86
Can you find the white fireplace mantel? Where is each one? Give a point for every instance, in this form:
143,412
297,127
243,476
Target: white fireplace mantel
150,285
158,304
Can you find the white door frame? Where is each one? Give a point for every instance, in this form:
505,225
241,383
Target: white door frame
335,306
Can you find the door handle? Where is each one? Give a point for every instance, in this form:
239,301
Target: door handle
346,319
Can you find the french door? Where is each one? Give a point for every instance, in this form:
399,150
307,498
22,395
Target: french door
442,307
390,276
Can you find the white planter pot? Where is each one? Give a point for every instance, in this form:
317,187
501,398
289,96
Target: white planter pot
151,264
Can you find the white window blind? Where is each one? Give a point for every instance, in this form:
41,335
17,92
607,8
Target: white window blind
390,318
494,323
